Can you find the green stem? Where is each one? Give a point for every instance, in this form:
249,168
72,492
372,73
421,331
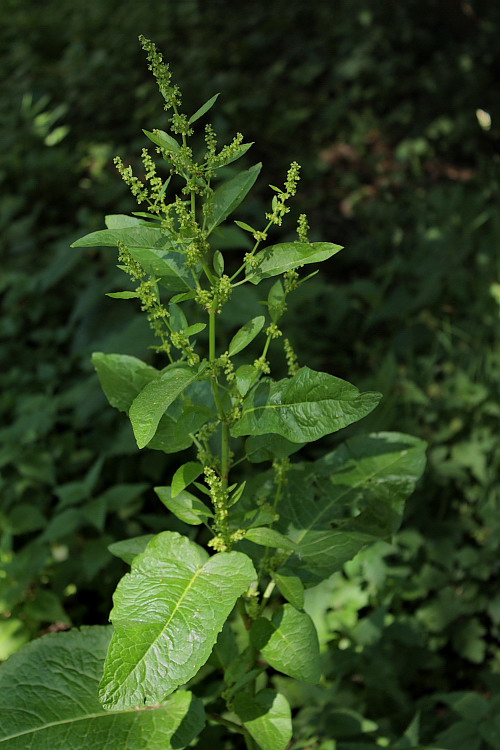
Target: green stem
215,389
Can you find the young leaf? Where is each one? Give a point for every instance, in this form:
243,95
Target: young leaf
166,266
132,236
245,377
232,156
289,643
127,549
218,263
290,586
121,221
122,377
303,408
246,227
194,329
185,506
228,197
48,701
277,259
269,538
184,475
246,335
203,109
167,614
267,718
163,140
276,301
151,403
372,474
122,295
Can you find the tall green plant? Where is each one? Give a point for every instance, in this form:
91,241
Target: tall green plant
227,597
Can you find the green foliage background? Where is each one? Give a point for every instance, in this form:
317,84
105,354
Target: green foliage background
377,101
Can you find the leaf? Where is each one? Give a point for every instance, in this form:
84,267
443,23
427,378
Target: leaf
168,437
185,506
167,614
127,549
276,301
277,259
289,643
163,140
232,155
122,295
290,586
166,266
203,109
131,236
352,496
218,263
246,227
303,408
194,329
269,538
184,475
151,403
48,701
122,377
260,448
121,221
246,335
267,718
228,197
245,377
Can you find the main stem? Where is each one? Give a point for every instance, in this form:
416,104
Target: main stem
218,402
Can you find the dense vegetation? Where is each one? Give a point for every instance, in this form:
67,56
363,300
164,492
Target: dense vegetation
379,105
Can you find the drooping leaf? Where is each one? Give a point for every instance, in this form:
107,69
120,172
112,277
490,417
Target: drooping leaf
228,197
203,109
277,259
246,335
352,496
289,643
127,549
267,718
122,377
184,505
303,408
290,586
167,614
48,701
151,403
131,236
184,475
267,537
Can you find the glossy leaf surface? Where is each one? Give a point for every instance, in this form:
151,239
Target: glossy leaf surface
277,259
167,614
289,643
303,408
267,718
122,377
48,701
184,475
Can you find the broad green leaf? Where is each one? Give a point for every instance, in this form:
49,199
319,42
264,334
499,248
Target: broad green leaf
228,197
178,320
184,475
48,701
122,295
151,403
289,643
127,549
194,329
203,109
184,505
121,221
260,448
303,408
353,496
276,301
246,335
218,263
168,437
131,236
267,718
245,377
163,140
122,377
289,586
167,614
168,267
267,537
280,258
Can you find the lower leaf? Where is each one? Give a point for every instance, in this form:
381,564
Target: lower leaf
267,718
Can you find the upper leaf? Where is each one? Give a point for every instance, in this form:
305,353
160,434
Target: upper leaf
289,643
355,495
228,197
277,259
267,718
185,506
122,377
246,335
149,406
303,408
203,109
167,614
168,267
48,701
132,236
127,549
